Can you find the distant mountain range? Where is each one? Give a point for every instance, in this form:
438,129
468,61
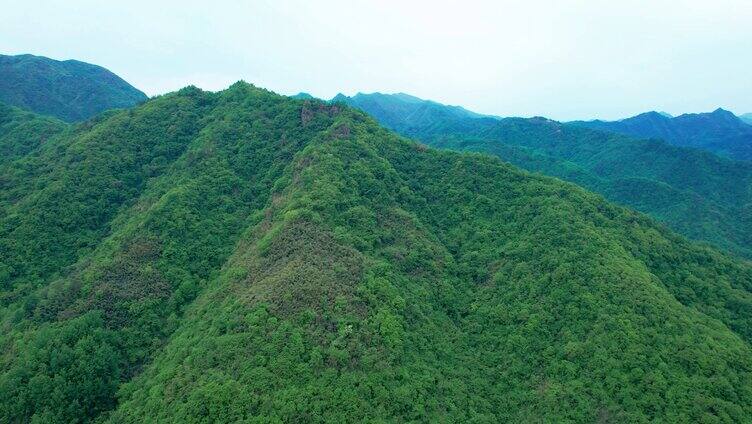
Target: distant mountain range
699,194
69,90
403,112
747,117
720,131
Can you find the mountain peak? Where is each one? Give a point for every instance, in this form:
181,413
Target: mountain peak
302,96
70,90
244,85
340,98
720,112
270,261
650,115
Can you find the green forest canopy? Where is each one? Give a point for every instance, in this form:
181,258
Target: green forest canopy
243,256
698,194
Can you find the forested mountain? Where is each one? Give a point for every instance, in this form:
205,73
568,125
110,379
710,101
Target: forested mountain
747,117
403,112
69,90
720,132
21,132
244,256
696,193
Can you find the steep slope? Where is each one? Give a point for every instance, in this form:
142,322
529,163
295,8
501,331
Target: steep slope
291,261
696,193
104,249
69,90
720,131
747,117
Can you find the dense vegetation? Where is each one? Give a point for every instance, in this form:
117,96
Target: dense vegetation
69,90
720,132
696,193
22,132
243,256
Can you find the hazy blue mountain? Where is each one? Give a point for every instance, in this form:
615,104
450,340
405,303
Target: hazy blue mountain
404,113
747,117
720,131
69,90
697,193
302,96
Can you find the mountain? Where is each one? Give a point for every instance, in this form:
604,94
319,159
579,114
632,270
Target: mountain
747,117
245,256
22,132
303,96
720,132
701,195
402,112
68,90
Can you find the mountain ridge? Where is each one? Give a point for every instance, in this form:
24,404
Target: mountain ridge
710,198
747,117
719,131
241,255
69,90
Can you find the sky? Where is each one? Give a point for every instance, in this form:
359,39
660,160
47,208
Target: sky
563,59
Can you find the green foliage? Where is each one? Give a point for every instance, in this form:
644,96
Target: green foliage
74,187
22,132
69,90
698,194
69,371
277,260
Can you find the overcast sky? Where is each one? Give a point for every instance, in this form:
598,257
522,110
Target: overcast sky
561,59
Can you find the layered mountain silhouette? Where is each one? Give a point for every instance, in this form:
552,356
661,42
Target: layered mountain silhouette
69,90
701,195
720,131
405,113
747,117
245,256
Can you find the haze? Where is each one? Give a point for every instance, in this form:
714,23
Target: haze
565,59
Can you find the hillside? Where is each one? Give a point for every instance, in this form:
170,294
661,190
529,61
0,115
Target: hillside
22,132
218,257
701,195
720,132
69,90
747,117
